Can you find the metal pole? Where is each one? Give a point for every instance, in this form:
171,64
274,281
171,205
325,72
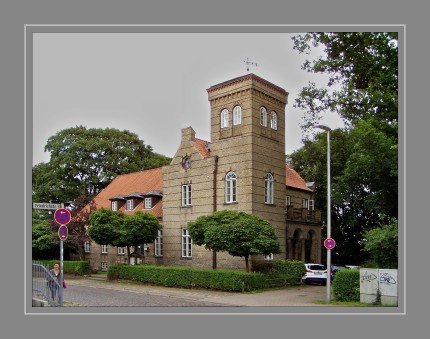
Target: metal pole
60,300
328,219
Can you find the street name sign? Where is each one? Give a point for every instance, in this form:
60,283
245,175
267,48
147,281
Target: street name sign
46,206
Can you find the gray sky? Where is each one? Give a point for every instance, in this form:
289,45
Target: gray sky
154,84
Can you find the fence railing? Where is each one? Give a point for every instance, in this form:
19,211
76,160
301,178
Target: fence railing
45,286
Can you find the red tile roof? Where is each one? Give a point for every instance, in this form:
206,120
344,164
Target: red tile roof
127,184
202,147
294,180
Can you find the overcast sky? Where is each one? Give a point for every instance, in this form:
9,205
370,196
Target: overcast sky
154,84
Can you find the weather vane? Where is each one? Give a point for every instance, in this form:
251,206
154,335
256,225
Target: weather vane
247,62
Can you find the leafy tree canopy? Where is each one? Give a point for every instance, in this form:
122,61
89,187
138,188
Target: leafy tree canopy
105,225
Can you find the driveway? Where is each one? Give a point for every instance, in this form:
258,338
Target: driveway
91,292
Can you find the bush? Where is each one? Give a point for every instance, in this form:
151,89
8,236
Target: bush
346,285
187,277
282,272
70,267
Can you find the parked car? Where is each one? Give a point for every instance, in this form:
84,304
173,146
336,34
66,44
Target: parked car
352,267
315,273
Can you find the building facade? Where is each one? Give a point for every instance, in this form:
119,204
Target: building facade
241,168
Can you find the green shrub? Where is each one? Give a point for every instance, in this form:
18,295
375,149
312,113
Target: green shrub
282,272
187,277
346,285
70,267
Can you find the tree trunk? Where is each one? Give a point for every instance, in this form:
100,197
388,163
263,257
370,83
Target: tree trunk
214,260
247,263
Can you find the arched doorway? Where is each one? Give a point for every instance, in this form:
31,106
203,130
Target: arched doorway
296,245
309,244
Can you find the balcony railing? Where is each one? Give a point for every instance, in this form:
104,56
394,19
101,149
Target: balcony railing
302,214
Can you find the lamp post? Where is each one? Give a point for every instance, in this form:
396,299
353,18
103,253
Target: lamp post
328,129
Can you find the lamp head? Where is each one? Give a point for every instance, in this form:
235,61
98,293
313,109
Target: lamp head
324,127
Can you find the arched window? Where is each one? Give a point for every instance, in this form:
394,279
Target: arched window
237,115
268,189
263,116
230,187
224,118
274,120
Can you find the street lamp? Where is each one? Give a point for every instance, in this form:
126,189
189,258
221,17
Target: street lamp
328,129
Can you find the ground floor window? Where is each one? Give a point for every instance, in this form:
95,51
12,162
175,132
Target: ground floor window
158,244
104,266
186,244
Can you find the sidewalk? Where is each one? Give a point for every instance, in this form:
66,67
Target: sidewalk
290,296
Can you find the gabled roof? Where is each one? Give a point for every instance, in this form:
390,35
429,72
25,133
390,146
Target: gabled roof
294,180
202,147
138,184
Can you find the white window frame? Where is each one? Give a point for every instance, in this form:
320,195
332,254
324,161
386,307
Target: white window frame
311,205
288,200
274,120
230,187
130,204
148,203
158,244
120,250
104,249
224,118
237,115
187,244
186,195
269,191
87,247
269,257
114,205
263,116
104,266
305,203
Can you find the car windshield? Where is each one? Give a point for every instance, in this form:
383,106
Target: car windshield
316,267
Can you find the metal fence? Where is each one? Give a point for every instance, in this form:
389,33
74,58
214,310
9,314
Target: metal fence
45,287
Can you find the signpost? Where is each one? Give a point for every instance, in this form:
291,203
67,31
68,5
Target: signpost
63,217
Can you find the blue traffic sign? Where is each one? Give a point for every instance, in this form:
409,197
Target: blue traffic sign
63,232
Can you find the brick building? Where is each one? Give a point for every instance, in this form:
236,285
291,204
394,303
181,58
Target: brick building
241,168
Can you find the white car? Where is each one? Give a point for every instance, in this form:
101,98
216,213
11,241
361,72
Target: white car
315,273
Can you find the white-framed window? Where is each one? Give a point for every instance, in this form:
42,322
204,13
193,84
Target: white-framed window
120,250
305,203
104,249
114,205
268,188
230,187
237,115
311,204
224,118
87,247
158,244
186,244
186,195
274,120
104,266
148,203
263,116
268,257
288,200
130,204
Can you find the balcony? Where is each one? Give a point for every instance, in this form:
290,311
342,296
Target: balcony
302,214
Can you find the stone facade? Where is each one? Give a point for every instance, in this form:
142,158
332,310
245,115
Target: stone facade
250,147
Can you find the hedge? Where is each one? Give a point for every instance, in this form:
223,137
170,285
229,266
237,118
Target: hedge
282,272
69,267
187,277
346,285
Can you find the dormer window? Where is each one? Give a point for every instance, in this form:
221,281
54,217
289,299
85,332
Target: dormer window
114,205
130,204
148,203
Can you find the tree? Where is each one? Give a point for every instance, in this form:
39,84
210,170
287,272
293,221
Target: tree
238,233
44,241
105,225
84,161
138,228
382,243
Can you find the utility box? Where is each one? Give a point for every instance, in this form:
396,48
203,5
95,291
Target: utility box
378,281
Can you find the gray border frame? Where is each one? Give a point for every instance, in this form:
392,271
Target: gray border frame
31,29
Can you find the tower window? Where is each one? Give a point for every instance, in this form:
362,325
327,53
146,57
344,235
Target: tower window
268,189
263,116
224,118
237,115
230,187
274,120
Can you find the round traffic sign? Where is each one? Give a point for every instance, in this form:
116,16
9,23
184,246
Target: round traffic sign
63,232
62,216
329,243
